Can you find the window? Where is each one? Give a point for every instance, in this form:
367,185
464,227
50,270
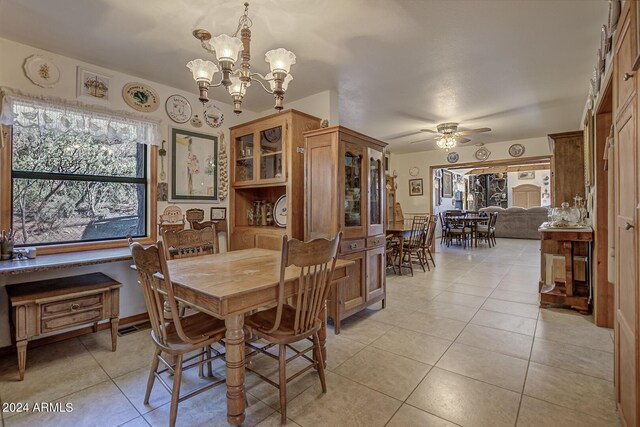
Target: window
71,187
74,173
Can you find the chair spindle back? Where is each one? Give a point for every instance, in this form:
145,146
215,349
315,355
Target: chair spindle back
190,243
418,229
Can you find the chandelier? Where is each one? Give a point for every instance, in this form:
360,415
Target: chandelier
447,142
226,50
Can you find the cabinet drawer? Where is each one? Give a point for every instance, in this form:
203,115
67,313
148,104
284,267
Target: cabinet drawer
351,246
70,306
69,320
372,242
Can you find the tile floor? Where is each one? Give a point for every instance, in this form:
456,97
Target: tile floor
462,345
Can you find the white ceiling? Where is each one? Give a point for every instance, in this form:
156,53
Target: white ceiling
520,67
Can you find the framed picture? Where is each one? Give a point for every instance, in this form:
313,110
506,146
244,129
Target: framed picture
218,214
588,149
415,187
93,86
447,184
194,166
527,175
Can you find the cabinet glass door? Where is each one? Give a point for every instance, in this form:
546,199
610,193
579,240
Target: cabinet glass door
271,153
244,158
375,192
352,189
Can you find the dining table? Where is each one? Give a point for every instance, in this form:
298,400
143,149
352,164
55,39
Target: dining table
231,284
472,221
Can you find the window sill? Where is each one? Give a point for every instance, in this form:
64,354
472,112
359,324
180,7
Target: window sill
89,246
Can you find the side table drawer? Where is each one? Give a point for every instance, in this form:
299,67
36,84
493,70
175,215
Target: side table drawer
49,325
70,306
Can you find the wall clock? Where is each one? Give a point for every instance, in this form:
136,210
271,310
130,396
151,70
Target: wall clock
482,154
453,157
178,108
516,150
414,171
141,97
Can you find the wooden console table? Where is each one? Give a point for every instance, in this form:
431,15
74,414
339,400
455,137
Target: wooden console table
569,243
52,305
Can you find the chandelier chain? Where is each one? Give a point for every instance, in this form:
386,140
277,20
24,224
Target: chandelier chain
244,21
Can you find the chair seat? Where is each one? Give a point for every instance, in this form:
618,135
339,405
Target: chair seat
460,230
199,325
263,321
483,228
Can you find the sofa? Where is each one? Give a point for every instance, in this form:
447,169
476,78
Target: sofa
518,223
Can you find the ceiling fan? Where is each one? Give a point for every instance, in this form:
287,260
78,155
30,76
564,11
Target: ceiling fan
447,135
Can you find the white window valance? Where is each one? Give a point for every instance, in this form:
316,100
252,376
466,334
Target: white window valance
48,113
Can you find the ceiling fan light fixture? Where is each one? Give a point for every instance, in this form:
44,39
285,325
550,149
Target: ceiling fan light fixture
447,142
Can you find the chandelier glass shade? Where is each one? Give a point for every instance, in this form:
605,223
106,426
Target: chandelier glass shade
447,142
227,50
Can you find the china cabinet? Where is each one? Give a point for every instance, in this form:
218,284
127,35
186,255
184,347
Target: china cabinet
345,191
266,163
567,166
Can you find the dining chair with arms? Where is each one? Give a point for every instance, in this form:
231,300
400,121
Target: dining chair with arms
413,244
177,337
287,324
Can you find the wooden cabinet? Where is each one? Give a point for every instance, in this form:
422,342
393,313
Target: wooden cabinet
345,191
624,56
266,163
567,166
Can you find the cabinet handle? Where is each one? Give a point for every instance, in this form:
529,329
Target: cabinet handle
75,307
627,226
353,246
626,76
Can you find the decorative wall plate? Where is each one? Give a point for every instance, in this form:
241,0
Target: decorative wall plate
453,157
196,122
41,71
482,154
141,97
414,171
178,108
516,150
213,116
280,211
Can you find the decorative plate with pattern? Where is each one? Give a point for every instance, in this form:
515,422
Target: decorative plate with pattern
516,150
41,71
178,108
280,211
141,97
482,154
196,122
453,157
213,116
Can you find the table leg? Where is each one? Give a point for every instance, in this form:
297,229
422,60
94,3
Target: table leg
322,334
21,346
568,267
114,333
234,340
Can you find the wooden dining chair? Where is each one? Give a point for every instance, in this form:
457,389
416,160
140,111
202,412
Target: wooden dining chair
428,241
444,227
190,243
412,247
177,337
459,231
285,324
391,249
194,215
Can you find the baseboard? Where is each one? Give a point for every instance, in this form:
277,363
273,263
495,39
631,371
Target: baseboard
136,318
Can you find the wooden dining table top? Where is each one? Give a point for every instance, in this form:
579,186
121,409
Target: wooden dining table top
233,274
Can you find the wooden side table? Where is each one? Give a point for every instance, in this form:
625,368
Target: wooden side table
53,305
569,243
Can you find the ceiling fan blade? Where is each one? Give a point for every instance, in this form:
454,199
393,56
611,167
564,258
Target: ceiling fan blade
428,130
470,131
421,140
403,135
461,140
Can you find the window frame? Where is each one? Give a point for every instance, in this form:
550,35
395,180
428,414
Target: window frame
6,200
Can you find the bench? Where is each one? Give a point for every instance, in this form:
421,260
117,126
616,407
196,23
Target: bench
52,305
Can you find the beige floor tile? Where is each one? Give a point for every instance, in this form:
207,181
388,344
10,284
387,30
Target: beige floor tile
101,404
507,322
486,280
364,331
340,349
583,336
460,299
406,302
573,358
465,401
393,314
53,371
346,403
514,308
273,420
479,291
537,413
208,409
388,373
136,349
583,393
136,422
523,297
408,416
493,368
414,345
565,316
450,311
505,342
437,326
528,288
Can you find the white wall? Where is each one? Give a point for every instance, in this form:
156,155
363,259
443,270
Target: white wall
513,181
323,105
12,75
424,159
